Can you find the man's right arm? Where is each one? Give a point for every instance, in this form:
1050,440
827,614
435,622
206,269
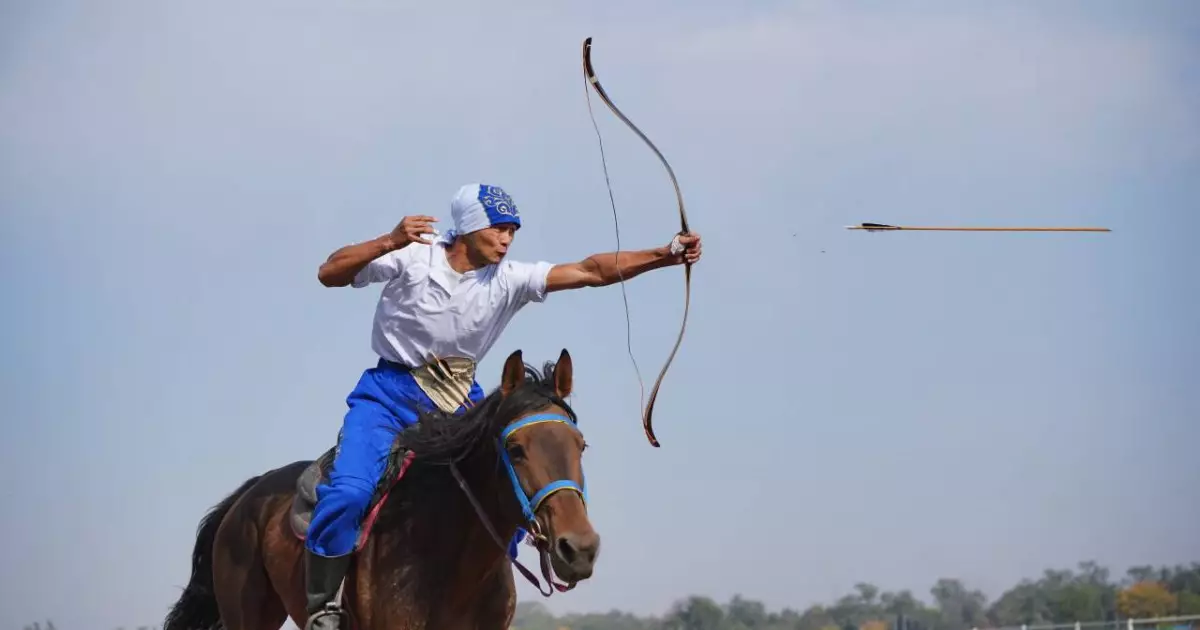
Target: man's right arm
344,264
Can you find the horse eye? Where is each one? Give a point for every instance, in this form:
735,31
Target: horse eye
515,451
585,446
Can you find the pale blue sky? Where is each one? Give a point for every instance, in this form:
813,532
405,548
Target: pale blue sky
846,406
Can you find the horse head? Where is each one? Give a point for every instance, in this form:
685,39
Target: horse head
541,449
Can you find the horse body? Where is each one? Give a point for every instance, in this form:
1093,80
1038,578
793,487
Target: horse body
429,561
472,582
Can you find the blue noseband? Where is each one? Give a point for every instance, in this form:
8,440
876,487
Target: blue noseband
529,505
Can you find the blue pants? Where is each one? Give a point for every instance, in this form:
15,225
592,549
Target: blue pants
384,402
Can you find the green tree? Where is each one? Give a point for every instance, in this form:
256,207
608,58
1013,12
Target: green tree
1189,603
695,613
958,607
746,614
815,618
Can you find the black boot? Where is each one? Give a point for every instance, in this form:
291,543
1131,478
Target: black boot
323,578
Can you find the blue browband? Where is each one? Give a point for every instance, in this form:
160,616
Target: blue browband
529,505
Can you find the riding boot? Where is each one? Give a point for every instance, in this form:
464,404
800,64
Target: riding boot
323,579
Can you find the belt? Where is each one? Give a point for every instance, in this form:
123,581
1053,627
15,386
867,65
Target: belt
400,367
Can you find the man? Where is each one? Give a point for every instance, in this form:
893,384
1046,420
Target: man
444,303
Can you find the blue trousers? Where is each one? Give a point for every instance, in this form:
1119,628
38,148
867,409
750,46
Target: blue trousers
384,402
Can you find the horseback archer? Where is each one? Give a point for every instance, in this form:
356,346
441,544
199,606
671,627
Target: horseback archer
444,302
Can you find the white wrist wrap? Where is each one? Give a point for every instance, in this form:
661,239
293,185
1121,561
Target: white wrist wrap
676,247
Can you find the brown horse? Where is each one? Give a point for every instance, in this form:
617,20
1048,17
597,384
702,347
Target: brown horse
436,555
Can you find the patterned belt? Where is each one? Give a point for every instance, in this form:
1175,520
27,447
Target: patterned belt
446,380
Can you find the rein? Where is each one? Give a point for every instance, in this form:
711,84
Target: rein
529,505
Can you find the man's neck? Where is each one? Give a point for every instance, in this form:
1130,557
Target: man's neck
459,257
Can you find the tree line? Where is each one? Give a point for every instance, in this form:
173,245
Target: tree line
1087,593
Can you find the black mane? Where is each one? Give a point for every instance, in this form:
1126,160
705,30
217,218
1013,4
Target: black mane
439,438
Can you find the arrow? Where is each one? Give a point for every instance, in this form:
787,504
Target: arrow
882,227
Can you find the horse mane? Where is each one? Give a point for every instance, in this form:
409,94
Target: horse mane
439,438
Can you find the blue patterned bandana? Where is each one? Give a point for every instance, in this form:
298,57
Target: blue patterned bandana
478,206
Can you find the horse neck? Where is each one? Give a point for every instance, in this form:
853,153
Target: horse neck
442,513
484,477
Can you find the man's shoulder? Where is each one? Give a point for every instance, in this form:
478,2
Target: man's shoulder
524,280
521,268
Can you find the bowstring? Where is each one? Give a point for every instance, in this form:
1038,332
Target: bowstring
617,231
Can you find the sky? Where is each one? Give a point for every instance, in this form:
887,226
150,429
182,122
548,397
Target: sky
845,406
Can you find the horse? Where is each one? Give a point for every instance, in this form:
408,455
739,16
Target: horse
458,486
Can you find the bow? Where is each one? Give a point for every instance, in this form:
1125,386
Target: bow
590,76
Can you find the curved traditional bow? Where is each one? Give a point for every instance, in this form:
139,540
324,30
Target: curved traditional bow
590,75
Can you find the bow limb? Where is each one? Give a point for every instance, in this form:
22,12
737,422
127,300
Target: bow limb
590,74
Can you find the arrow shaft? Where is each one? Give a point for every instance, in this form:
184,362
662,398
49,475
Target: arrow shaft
890,228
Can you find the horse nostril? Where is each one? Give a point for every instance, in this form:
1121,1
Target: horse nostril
574,548
566,550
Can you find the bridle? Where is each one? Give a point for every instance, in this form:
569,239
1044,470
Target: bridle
529,505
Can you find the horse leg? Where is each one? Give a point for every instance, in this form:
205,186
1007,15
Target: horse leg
284,561
247,600
497,603
243,590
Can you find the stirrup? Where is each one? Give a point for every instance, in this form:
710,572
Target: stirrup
332,608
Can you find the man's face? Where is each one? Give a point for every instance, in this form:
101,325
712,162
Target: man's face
491,243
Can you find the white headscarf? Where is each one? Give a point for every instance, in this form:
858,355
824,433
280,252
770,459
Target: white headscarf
478,206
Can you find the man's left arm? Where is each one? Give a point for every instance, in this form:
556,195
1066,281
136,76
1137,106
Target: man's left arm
601,270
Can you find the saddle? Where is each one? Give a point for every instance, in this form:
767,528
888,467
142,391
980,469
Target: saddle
317,473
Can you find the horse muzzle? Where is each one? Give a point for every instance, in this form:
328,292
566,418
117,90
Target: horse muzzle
573,555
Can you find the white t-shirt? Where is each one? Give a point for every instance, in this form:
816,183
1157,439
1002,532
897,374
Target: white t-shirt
426,306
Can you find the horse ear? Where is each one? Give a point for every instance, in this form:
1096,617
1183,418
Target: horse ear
514,374
563,375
